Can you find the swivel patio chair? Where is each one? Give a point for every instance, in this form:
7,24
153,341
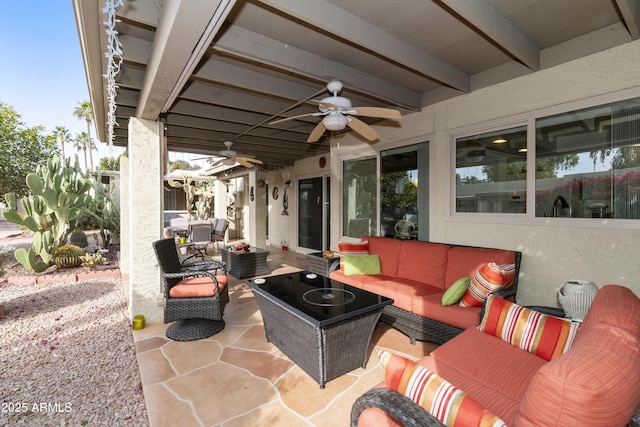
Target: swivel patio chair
194,300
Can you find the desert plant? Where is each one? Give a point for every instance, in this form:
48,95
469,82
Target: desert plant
58,195
104,210
91,260
68,256
78,238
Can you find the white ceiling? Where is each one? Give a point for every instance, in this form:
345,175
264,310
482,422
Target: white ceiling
264,56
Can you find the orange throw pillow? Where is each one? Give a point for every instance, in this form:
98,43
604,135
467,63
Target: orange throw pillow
545,336
487,278
437,396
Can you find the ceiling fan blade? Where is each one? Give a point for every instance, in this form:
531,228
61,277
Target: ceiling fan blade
383,113
362,128
249,159
244,162
216,163
317,132
295,117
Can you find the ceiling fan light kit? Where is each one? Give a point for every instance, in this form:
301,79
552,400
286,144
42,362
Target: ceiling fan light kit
335,122
339,113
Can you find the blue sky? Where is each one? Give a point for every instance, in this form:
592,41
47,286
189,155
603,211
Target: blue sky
42,74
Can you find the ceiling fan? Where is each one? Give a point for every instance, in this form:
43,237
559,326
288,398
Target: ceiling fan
230,158
338,113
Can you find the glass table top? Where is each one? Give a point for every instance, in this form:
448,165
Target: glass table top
318,298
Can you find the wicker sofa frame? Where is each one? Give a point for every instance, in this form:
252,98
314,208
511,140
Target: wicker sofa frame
421,328
407,412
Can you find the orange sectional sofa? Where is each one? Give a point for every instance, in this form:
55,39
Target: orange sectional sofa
595,382
416,275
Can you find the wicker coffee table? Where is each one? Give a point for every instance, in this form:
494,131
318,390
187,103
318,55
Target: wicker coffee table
322,325
250,263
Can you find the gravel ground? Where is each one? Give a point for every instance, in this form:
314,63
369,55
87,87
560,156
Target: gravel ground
67,356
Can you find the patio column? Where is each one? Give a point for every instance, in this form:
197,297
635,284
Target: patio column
145,209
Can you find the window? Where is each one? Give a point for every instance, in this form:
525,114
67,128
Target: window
588,162
491,171
359,197
399,192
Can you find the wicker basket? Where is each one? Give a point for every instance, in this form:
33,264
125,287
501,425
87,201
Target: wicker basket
576,297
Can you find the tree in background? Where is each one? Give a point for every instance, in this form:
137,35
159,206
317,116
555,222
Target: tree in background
21,150
85,111
62,134
182,165
81,142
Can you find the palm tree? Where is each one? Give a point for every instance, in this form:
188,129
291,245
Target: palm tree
81,142
62,133
84,111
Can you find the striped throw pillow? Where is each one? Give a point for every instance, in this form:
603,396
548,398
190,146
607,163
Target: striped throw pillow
486,279
353,249
437,396
545,336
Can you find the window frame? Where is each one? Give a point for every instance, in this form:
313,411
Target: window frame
528,119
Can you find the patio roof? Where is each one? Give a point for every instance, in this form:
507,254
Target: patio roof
220,70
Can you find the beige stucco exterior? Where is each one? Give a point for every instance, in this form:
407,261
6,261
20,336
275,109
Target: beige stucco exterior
600,251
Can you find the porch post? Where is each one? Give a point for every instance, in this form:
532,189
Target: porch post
145,216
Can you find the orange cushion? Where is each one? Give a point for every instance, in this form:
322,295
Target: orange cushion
388,249
464,261
545,336
443,400
193,287
594,384
423,262
488,278
431,306
615,305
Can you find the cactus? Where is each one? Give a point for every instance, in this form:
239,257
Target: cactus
192,188
68,256
78,238
104,209
58,195
91,261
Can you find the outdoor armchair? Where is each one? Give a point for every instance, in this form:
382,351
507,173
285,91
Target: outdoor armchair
194,299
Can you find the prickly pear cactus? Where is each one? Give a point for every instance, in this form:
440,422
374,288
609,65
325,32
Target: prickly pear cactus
58,196
78,238
68,256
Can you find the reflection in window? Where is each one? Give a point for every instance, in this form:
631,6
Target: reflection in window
359,197
588,162
399,192
491,172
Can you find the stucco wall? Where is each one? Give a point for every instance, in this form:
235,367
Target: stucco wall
552,254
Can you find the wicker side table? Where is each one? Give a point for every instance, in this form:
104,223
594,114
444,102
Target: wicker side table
318,264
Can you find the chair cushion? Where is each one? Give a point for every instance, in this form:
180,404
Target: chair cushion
437,396
594,384
488,278
361,265
545,336
194,287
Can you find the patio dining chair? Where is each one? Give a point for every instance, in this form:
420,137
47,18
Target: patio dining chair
194,300
220,231
200,236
